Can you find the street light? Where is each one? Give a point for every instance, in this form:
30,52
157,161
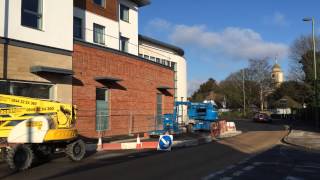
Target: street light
314,46
315,68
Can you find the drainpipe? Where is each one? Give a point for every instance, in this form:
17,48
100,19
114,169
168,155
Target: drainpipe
5,47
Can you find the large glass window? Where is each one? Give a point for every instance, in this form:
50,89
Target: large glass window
3,87
101,3
77,27
98,33
41,91
124,13
124,44
102,112
31,13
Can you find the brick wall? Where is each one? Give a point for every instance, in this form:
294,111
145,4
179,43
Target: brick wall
132,100
110,11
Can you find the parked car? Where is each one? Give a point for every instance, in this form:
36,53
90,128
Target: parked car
262,117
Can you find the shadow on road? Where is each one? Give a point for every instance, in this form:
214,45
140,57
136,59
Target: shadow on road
183,163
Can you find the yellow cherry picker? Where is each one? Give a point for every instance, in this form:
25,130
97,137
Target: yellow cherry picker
35,129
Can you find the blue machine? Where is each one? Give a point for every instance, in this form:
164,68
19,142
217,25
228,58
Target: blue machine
201,115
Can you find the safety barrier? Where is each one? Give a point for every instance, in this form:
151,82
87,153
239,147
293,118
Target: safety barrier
222,127
128,145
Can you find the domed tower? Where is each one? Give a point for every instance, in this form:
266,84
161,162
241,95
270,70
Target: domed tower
277,75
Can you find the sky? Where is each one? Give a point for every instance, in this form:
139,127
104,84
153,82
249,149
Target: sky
219,36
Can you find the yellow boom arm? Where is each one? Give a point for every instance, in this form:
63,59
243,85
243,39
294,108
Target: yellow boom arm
14,109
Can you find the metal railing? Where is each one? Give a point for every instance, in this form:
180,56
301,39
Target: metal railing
114,122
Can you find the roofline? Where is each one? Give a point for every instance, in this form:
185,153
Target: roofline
141,3
178,50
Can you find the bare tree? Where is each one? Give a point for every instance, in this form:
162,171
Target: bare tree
259,71
300,47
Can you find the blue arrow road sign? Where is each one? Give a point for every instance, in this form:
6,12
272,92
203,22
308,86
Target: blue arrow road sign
165,142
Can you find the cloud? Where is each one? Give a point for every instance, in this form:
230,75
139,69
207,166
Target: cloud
159,24
279,19
235,42
193,85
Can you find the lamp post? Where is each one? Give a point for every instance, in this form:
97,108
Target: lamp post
315,69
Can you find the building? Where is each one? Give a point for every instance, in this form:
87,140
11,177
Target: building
36,49
277,76
86,52
116,91
168,55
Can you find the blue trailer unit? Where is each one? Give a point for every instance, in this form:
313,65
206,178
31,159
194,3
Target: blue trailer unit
200,115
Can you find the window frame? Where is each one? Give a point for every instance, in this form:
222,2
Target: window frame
126,41
100,124
81,34
10,89
146,57
95,25
38,14
103,5
122,17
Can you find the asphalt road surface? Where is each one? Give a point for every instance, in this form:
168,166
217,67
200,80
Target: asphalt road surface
256,154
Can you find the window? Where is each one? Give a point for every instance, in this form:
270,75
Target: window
152,58
77,27
3,87
102,111
41,91
146,56
124,44
31,13
173,65
101,3
140,55
158,60
124,13
98,34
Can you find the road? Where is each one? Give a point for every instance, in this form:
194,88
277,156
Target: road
248,156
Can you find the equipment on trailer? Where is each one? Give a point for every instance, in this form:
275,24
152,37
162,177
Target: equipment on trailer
34,129
200,117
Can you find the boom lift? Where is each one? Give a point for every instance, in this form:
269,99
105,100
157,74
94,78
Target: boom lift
33,128
200,117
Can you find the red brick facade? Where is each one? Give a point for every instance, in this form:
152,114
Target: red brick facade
132,101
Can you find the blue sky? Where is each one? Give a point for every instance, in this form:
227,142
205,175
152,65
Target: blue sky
219,36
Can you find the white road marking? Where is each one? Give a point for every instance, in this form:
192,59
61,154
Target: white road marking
257,163
248,168
293,178
237,173
306,170
230,167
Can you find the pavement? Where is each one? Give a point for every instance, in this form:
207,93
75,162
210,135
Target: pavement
303,136
180,140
